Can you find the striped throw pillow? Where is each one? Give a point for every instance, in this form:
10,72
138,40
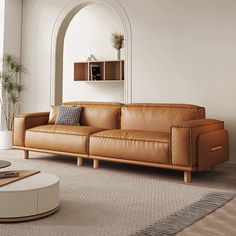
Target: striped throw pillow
68,115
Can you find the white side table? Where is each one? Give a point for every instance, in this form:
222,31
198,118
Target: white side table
30,198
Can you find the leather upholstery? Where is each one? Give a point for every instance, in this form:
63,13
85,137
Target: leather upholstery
213,149
63,138
33,115
157,117
103,115
134,145
67,129
26,121
172,135
184,139
140,135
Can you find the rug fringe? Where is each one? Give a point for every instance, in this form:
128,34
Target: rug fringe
187,216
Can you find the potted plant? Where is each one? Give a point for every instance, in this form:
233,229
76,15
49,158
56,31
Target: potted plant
11,88
117,40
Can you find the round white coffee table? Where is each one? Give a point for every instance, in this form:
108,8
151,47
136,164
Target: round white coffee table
30,198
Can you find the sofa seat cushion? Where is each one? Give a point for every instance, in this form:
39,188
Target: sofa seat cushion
62,138
136,145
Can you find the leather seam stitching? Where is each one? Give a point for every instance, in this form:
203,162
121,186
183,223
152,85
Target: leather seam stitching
197,126
155,106
130,139
56,133
190,147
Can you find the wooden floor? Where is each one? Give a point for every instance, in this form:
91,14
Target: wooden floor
219,223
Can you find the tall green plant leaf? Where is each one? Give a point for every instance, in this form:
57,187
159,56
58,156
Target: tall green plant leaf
13,98
4,77
11,87
18,87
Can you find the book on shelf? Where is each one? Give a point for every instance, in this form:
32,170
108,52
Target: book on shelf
95,72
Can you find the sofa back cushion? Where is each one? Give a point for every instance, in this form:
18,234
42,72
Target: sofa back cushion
158,117
104,115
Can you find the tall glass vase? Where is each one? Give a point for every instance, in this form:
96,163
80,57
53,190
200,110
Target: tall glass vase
118,54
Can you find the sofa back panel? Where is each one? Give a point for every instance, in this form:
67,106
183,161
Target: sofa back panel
99,114
158,117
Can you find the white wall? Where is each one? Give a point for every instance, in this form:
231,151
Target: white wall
90,32
191,55
12,27
2,16
182,51
10,30
38,21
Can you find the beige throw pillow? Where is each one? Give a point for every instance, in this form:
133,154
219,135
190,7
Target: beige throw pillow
53,114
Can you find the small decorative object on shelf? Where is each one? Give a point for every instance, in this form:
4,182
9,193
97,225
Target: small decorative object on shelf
95,72
117,40
91,58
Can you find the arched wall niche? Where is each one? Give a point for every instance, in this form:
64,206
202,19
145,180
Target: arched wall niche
57,42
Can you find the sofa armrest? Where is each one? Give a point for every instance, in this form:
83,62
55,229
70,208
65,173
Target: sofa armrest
26,121
184,140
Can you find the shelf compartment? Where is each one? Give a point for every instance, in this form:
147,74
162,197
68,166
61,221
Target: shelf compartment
100,65
112,70
80,71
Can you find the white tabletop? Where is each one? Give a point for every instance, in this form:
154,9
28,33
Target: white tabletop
33,182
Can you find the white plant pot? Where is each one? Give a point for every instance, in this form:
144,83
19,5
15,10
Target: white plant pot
5,140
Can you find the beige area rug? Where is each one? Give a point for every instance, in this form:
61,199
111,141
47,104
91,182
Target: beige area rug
104,202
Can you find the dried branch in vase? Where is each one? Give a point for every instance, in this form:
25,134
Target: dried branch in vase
117,40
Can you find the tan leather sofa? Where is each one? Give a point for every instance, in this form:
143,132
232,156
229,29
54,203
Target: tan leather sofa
172,136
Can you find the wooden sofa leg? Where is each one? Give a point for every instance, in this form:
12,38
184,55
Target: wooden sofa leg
95,163
26,154
187,176
79,161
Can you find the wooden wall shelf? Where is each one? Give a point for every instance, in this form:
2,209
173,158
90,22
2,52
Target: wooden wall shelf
108,70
